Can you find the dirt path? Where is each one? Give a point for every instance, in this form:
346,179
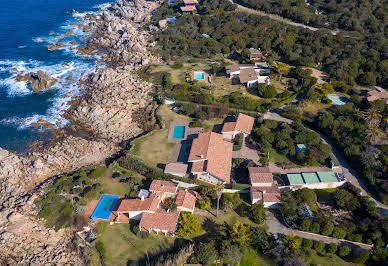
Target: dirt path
279,18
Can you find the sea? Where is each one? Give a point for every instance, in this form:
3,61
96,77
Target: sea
24,24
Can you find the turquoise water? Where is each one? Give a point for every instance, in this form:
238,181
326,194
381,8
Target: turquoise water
105,207
171,19
338,100
199,75
179,132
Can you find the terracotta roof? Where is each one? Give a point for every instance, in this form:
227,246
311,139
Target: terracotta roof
377,93
163,186
267,194
260,175
245,123
129,205
229,126
198,167
179,168
186,199
232,68
190,2
212,147
188,8
247,74
159,220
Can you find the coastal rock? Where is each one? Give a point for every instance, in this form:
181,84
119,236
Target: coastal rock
70,33
56,46
38,81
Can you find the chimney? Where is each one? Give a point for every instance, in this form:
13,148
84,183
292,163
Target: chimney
168,210
142,198
162,185
202,156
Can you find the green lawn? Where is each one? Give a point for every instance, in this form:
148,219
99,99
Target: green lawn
330,260
252,258
281,159
123,247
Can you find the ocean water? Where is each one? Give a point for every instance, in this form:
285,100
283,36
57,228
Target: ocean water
23,23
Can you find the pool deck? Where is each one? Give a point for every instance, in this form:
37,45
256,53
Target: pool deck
93,204
171,131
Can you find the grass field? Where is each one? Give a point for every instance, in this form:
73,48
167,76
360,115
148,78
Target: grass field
123,247
280,159
330,260
252,258
153,148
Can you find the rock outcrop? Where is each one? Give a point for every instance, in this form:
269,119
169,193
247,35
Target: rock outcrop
38,81
113,95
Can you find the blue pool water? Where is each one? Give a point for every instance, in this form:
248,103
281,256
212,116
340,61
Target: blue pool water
171,19
338,100
24,28
179,132
105,207
199,75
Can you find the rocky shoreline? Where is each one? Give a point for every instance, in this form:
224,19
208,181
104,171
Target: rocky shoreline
113,95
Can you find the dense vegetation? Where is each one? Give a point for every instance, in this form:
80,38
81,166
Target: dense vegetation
351,15
283,138
345,59
357,217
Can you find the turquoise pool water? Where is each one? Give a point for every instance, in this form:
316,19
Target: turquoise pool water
105,207
179,132
338,100
199,75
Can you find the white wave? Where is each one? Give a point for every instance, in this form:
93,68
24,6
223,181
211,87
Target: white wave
103,6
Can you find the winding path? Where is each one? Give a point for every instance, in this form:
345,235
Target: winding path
279,18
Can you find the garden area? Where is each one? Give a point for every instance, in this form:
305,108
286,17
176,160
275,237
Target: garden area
339,213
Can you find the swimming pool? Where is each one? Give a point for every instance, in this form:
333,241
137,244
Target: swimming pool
105,207
338,100
171,19
179,132
199,75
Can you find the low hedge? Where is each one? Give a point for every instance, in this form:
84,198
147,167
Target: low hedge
237,146
132,163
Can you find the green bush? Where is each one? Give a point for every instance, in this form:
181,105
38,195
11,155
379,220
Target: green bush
195,124
315,228
100,248
344,251
307,243
327,229
339,233
237,146
305,225
331,248
266,91
319,246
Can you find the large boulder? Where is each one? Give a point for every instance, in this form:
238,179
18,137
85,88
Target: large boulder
38,81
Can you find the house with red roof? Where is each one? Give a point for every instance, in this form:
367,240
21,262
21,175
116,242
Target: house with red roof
189,6
211,158
263,190
244,124
148,207
377,93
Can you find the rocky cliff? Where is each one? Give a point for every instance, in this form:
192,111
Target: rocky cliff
106,110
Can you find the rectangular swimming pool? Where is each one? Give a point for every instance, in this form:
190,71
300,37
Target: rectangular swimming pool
199,75
105,207
338,100
179,132
171,19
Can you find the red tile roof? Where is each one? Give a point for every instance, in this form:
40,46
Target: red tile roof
245,123
212,147
260,175
129,205
179,168
247,74
163,186
229,127
159,220
186,199
197,167
188,8
267,194
190,2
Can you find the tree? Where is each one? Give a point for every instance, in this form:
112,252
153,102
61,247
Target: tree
315,228
218,188
319,246
344,251
188,225
305,224
205,254
346,200
240,233
307,243
331,248
170,205
258,213
266,91
293,242
327,229
339,233
231,254
281,68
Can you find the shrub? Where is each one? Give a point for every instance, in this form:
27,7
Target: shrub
100,248
258,213
339,233
188,225
196,123
344,251
319,246
307,243
331,248
237,146
266,91
327,229
202,115
315,228
305,225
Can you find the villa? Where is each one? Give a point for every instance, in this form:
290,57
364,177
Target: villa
211,158
148,207
377,93
250,75
255,54
189,6
244,124
263,189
